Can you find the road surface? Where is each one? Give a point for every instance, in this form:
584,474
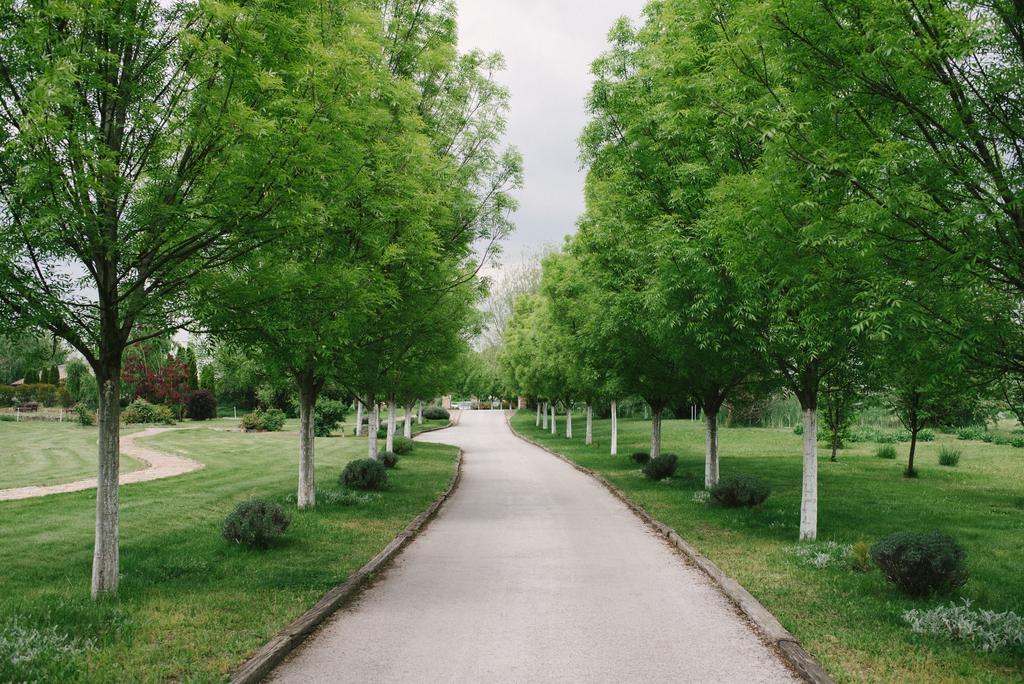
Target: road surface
533,572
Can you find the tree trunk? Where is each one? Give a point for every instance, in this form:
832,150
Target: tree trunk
389,444
655,433
590,425
544,417
711,449
835,445
106,564
536,420
913,448
407,430
568,422
615,428
809,500
419,412
372,430
307,470
359,418
554,420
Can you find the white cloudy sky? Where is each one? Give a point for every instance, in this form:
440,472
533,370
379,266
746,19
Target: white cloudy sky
548,46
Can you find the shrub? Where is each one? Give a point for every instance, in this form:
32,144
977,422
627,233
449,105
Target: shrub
949,457
740,490
436,413
202,405
925,436
388,459
1017,442
86,416
402,445
921,563
974,432
860,557
7,418
252,421
988,630
798,429
661,467
327,416
141,411
640,457
382,432
364,474
273,419
255,523
886,451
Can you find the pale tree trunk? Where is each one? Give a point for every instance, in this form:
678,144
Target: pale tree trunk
711,449
407,430
568,422
307,469
106,563
554,420
359,418
419,412
372,428
615,428
544,417
389,444
655,433
536,421
590,425
809,500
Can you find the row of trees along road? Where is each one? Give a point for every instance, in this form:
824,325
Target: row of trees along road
309,181
798,195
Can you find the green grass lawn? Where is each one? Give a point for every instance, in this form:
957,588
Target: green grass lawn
192,607
851,622
44,453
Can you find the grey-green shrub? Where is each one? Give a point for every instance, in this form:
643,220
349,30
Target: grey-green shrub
364,474
402,445
661,467
738,491
388,459
949,457
921,563
640,457
436,413
255,523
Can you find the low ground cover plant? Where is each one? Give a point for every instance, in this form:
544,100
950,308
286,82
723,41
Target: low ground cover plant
949,456
736,491
986,629
664,466
255,523
364,474
974,432
822,554
921,563
886,451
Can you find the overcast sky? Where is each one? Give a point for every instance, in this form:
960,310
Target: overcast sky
548,46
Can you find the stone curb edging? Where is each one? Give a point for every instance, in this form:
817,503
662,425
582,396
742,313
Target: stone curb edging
288,639
771,629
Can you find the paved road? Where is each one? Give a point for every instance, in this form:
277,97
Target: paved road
532,572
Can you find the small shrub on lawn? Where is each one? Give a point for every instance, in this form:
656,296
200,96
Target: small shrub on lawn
661,467
402,445
364,474
949,457
1017,442
921,563
860,557
270,420
382,433
986,629
798,429
925,436
7,418
740,491
326,417
252,421
202,405
86,416
640,457
886,451
256,523
388,459
976,432
141,411
436,413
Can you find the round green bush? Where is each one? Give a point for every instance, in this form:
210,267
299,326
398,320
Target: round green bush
255,523
436,413
738,491
640,457
886,451
661,467
141,411
273,420
388,459
365,474
949,457
402,445
921,563
326,416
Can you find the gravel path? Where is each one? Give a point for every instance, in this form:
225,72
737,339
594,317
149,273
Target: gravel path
533,572
158,465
